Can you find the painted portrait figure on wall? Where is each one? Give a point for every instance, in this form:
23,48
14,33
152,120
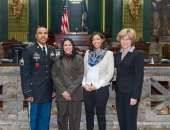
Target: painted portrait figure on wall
160,20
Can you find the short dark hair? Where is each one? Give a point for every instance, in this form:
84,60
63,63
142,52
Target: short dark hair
62,48
40,27
101,36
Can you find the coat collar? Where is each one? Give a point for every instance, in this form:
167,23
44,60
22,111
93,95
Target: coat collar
100,64
131,49
68,65
129,54
40,51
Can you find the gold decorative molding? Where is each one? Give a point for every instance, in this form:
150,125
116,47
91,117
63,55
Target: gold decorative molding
130,22
18,25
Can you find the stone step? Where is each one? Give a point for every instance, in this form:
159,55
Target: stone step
96,129
160,129
29,129
57,129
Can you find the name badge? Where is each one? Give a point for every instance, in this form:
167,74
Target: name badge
36,56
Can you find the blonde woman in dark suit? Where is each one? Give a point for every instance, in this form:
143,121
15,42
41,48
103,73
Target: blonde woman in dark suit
67,73
130,66
98,71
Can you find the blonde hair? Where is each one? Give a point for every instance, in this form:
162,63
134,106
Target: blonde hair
131,33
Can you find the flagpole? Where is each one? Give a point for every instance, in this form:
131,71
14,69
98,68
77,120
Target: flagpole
103,15
47,15
67,3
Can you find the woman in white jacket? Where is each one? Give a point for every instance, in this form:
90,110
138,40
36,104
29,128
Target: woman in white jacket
98,71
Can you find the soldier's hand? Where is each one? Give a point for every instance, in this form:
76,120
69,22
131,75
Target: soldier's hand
30,99
53,94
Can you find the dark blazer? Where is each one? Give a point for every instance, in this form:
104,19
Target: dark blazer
130,73
36,79
68,76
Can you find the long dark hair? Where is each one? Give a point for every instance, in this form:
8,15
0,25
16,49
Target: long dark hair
101,36
62,53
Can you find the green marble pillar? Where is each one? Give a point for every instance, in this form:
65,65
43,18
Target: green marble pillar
33,18
147,20
117,18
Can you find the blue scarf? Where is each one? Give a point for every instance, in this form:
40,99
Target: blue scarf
94,58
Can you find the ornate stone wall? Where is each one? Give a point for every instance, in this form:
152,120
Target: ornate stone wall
13,115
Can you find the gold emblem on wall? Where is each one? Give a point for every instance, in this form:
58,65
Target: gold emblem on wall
134,7
17,7
129,21
18,19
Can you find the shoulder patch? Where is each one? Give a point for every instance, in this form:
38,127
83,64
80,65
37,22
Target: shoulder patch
21,62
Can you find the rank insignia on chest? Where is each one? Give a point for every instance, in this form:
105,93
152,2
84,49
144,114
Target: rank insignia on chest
36,56
21,62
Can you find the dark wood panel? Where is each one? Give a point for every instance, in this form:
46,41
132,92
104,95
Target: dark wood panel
7,45
9,65
1,86
80,40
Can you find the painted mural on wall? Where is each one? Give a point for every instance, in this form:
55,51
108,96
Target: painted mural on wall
160,19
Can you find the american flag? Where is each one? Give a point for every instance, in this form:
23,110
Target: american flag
65,21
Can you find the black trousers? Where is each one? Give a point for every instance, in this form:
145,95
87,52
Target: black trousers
96,100
127,114
69,112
